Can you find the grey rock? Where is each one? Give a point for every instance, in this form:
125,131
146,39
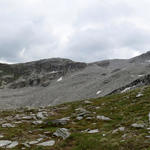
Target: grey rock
119,129
79,118
41,115
26,145
137,125
62,121
37,122
103,118
93,131
139,95
4,143
62,132
27,117
8,125
87,102
13,144
47,143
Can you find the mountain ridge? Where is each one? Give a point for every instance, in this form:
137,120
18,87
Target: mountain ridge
57,80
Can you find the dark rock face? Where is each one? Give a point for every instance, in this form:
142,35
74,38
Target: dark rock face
143,81
37,73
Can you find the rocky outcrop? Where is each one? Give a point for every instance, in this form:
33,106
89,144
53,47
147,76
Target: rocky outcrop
143,81
37,73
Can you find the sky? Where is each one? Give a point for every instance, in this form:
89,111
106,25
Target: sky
81,30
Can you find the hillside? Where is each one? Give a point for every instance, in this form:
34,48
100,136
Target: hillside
55,81
115,122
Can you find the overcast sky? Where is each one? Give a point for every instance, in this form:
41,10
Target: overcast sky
82,30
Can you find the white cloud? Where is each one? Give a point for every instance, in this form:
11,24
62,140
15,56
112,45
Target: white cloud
81,30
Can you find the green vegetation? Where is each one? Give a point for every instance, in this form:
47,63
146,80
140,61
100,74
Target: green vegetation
124,110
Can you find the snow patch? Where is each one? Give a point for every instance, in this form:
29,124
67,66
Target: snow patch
98,92
60,79
53,72
141,75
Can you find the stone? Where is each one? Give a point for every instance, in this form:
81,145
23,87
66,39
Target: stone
135,125
80,109
82,112
35,142
26,145
93,131
89,118
1,136
4,143
79,118
18,122
61,121
119,129
85,131
41,115
87,102
97,107
62,132
27,117
8,125
47,143
13,144
103,118
37,122
139,95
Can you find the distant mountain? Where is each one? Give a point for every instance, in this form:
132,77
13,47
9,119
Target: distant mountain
57,80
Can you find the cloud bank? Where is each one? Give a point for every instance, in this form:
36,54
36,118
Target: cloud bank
80,30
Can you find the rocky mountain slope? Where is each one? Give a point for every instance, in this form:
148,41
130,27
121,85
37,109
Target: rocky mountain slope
115,122
55,81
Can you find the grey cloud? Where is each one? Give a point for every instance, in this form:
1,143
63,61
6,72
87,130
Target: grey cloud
81,30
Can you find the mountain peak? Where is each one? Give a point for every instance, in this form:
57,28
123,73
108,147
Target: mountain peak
141,58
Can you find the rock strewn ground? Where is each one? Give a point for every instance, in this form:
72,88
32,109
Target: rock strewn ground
119,121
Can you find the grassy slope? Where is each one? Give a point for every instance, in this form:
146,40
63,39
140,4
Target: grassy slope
124,110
